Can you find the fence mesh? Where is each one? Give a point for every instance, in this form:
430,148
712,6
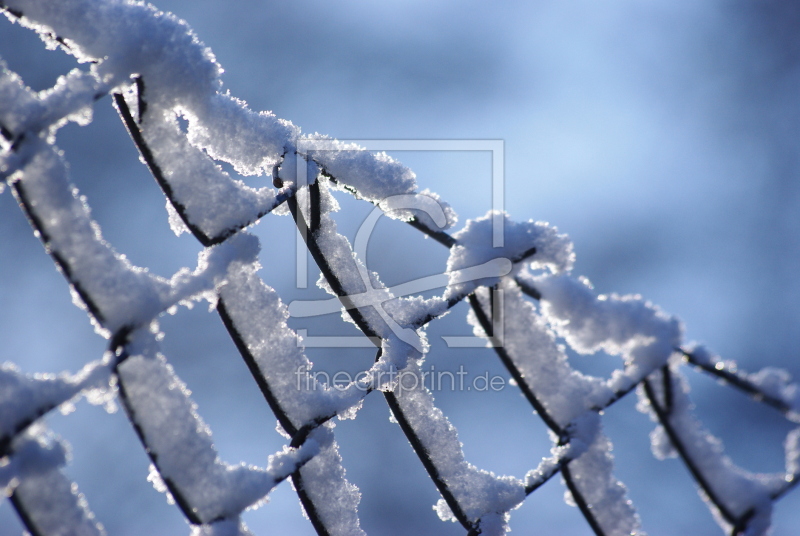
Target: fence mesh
523,298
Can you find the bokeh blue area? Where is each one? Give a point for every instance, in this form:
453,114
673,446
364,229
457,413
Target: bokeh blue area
661,136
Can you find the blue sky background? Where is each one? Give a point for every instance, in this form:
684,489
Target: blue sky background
661,136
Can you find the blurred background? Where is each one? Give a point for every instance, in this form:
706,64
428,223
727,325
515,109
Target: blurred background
661,136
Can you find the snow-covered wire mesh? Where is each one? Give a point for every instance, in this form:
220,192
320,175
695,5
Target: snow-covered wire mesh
523,296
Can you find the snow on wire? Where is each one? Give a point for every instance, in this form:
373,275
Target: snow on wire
160,72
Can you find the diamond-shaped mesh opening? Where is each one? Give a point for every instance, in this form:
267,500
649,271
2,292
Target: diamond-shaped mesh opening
522,302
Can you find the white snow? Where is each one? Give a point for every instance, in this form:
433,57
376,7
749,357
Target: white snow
70,99
769,382
260,318
777,383
568,397
738,489
279,356
213,202
49,498
181,78
427,207
548,466
792,447
181,443
592,475
532,346
336,500
627,326
661,445
123,295
481,495
475,247
24,398
374,176
181,81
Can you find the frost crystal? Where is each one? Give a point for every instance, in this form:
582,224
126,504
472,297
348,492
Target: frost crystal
167,88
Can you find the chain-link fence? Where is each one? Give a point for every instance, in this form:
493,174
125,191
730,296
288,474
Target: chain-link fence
515,277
